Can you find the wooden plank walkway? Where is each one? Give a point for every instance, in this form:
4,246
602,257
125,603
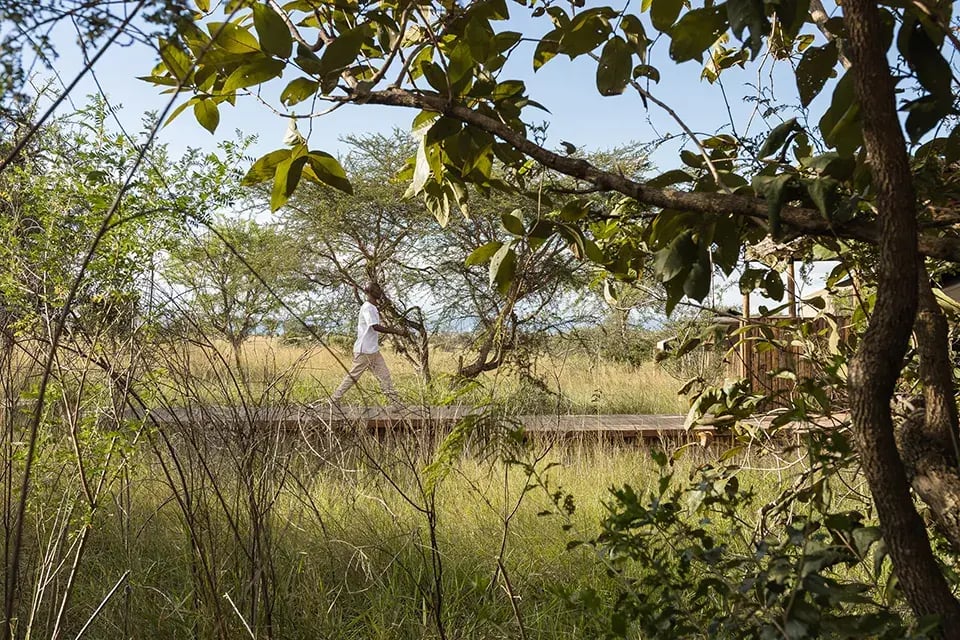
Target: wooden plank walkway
382,421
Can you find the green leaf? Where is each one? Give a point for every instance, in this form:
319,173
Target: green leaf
513,222
822,191
696,286
674,176
646,71
841,124
482,253
814,69
207,114
696,32
421,168
675,258
547,48
308,60
233,38
748,14
616,63
923,114
479,38
792,14
275,37
328,170
342,52
252,74
175,60
778,137
663,13
574,210
772,188
176,112
773,285
503,266
286,179
265,168
923,55
299,90
585,33
460,66
636,35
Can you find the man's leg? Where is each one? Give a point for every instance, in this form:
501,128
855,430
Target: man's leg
360,364
379,367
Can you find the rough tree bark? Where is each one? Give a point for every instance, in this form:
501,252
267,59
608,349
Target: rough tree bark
927,439
876,367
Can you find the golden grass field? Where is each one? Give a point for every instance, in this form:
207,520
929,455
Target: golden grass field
572,383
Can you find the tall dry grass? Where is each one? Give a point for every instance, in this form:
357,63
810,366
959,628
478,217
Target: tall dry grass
571,383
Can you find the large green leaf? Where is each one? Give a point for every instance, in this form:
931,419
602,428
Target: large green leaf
676,258
513,222
841,124
923,55
778,137
814,69
696,286
275,37
748,14
547,48
286,179
232,37
923,114
177,62
663,13
696,32
460,66
483,253
342,52
585,33
773,189
253,74
674,176
616,64
503,266
328,170
636,36
265,168
207,114
299,90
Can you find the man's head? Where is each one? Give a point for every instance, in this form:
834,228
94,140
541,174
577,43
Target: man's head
373,291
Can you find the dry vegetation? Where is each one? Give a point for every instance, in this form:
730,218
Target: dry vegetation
572,383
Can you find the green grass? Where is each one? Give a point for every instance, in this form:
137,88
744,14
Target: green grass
346,557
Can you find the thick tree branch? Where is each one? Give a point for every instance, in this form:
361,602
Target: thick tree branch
927,439
802,220
877,364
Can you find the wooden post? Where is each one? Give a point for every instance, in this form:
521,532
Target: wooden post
792,288
746,349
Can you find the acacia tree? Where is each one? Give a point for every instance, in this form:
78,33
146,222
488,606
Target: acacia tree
233,277
435,276
447,62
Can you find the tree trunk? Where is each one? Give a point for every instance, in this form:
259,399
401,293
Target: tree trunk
927,439
876,367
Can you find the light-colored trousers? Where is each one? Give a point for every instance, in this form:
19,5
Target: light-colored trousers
376,364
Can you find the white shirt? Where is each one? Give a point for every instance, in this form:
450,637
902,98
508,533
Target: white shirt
367,336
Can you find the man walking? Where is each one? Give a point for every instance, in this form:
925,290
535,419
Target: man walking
366,350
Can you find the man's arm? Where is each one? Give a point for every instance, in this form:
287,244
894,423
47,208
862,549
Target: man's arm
401,331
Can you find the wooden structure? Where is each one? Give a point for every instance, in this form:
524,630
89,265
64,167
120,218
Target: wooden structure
439,420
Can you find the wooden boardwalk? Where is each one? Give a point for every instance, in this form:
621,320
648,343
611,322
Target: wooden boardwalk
382,421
